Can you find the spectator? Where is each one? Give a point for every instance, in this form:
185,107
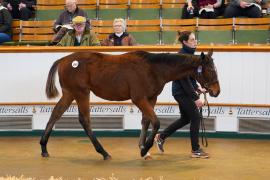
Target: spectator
190,10
64,21
5,24
80,35
207,9
210,9
120,37
21,9
249,8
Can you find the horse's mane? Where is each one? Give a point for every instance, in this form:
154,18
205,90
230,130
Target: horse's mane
165,58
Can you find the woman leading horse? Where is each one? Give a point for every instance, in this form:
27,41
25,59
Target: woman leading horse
139,76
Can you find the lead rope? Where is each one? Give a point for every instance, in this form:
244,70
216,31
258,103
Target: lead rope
203,133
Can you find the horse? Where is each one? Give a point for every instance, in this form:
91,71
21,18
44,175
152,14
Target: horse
137,75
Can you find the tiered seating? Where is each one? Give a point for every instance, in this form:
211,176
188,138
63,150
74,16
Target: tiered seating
36,32
217,31
110,9
163,31
144,9
149,21
102,27
172,9
171,26
16,30
250,30
89,6
49,9
145,31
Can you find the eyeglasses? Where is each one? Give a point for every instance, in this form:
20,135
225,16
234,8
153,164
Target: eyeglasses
79,24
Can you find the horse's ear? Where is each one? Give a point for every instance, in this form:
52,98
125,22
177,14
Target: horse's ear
202,55
210,52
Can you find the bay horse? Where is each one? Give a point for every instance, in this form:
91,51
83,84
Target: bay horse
139,76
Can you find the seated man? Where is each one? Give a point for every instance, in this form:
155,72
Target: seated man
249,8
21,9
80,35
119,37
5,24
64,21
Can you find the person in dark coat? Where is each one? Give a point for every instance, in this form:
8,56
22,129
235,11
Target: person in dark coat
185,92
21,9
5,24
248,8
64,22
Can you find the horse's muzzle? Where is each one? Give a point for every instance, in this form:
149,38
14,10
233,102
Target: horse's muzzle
214,94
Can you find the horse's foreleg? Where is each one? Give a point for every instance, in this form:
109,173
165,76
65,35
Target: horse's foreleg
58,111
145,124
148,111
84,118
151,137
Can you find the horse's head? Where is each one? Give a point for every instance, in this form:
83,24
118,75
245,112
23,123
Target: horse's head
207,74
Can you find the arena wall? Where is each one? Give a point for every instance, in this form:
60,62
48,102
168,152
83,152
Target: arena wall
242,106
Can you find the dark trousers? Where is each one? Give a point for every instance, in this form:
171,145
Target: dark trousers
235,11
189,114
187,15
22,14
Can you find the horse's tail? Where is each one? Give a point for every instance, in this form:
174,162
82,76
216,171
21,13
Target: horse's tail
51,90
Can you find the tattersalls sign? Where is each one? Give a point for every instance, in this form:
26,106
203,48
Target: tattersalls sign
15,110
253,112
123,109
222,114
94,109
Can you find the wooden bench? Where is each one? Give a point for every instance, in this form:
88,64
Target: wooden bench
171,26
252,30
215,31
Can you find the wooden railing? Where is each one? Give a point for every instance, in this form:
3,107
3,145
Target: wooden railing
174,48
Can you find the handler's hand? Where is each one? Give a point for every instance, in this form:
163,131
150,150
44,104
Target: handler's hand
199,103
201,90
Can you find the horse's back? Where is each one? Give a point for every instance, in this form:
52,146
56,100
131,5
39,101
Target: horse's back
109,76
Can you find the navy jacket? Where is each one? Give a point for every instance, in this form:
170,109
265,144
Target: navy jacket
5,21
186,86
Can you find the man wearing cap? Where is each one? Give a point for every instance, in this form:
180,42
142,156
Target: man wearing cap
80,35
64,22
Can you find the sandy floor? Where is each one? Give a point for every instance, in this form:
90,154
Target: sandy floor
74,157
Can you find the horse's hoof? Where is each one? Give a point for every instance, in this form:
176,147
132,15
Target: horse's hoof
45,154
108,157
147,156
143,152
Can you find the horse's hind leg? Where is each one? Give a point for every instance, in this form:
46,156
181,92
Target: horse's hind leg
58,111
84,118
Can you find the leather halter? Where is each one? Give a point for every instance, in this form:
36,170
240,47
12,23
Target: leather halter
199,74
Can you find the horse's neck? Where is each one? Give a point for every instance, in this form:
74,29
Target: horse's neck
183,66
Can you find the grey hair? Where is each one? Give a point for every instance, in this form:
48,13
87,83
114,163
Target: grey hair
122,21
73,1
